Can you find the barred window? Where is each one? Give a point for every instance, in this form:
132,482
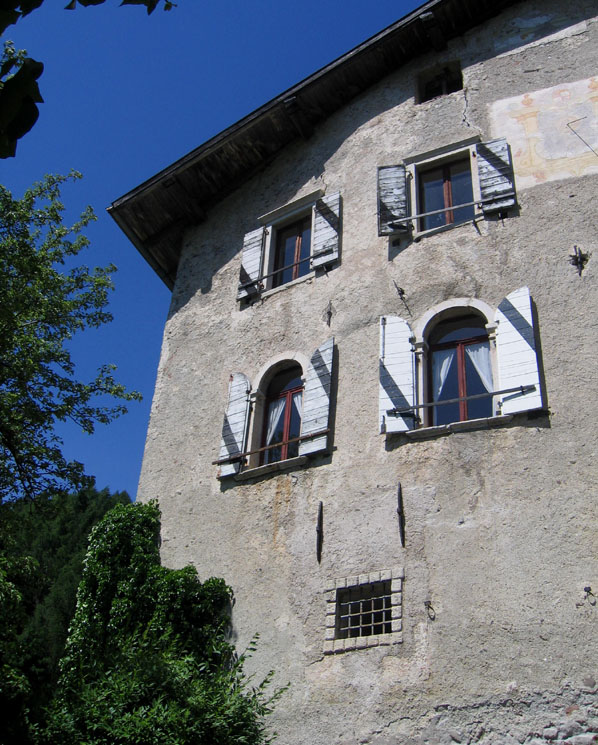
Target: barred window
363,610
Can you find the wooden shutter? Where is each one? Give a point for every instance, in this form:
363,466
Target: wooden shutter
326,227
516,352
316,399
495,171
236,418
393,199
251,264
397,374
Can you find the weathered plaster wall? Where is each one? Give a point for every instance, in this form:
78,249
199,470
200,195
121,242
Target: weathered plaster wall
500,524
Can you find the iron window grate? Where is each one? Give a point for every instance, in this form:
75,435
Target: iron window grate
364,610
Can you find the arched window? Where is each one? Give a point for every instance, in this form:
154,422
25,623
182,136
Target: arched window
460,370
462,360
282,415
285,416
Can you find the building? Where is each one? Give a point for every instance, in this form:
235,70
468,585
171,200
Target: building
384,281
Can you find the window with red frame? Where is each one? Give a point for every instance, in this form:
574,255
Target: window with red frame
460,367
293,248
282,415
445,187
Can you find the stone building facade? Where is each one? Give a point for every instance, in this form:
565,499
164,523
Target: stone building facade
343,263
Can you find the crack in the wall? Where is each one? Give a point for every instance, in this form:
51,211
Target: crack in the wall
465,115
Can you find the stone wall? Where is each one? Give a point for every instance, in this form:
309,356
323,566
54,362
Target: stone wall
563,717
500,523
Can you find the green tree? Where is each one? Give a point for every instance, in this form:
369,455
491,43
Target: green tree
42,546
147,659
19,90
16,572
45,301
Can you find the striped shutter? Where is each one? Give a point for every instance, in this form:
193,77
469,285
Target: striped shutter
316,399
516,353
495,171
326,226
393,199
397,374
235,423
251,264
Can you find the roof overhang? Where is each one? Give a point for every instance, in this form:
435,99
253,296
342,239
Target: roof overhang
155,214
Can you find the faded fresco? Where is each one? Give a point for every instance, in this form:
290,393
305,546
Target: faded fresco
553,133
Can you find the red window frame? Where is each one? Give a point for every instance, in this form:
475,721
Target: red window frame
288,411
459,345
445,171
299,267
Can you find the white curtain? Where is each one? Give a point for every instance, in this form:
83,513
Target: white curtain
479,354
441,364
274,414
297,402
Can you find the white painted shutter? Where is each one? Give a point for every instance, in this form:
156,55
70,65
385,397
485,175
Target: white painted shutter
235,423
516,352
495,171
316,399
397,374
326,226
251,263
393,199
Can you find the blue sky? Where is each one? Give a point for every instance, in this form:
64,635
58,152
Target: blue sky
125,95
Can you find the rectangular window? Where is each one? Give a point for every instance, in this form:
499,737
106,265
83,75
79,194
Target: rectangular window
292,252
294,241
441,189
449,186
434,83
363,610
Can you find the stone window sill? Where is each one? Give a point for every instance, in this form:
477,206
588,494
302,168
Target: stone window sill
424,433
273,290
281,465
335,646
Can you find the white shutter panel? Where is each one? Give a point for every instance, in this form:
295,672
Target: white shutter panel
251,263
397,375
326,226
495,171
235,423
316,399
393,199
516,352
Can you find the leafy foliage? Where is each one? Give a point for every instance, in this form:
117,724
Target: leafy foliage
12,10
19,96
42,546
44,304
147,659
16,572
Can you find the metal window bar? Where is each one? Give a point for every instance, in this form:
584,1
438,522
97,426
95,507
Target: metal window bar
364,610
240,456
523,389
477,202
259,279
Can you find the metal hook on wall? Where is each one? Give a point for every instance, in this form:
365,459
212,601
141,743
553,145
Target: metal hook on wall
430,610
